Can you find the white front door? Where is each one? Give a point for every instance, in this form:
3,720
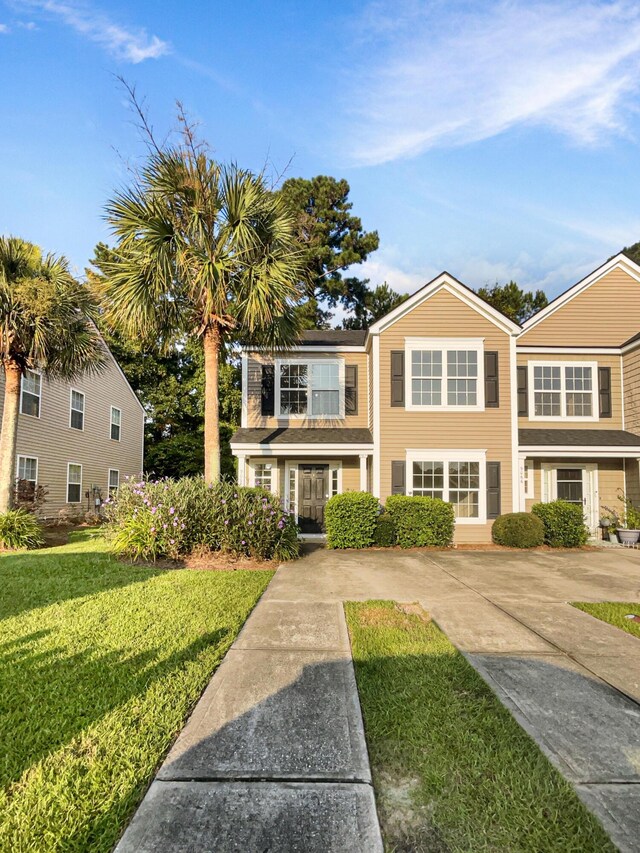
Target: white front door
575,483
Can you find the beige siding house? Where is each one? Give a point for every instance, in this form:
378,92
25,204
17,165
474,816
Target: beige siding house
79,440
445,396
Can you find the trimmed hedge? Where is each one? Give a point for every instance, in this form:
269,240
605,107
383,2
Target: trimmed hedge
421,521
384,534
518,530
563,522
350,520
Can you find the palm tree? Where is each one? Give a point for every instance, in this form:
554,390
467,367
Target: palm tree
202,250
46,323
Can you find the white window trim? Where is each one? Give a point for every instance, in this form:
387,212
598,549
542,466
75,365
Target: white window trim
334,464
447,456
274,473
77,464
595,416
71,409
39,396
443,345
25,456
529,474
109,473
111,411
309,362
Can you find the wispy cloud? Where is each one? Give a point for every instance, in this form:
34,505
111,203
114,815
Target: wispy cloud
126,44
4,28
438,74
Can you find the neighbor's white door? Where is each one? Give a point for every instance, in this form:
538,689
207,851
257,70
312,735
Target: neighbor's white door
576,484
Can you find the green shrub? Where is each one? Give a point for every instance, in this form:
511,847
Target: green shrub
384,533
518,530
20,529
421,521
169,518
350,520
563,522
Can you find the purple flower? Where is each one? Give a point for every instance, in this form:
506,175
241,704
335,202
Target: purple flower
164,526
175,523
153,530
226,521
154,509
243,542
182,527
250,522
171,541
171,510
281,524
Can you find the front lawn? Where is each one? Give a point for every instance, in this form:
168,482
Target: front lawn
614,613
101,663
452,769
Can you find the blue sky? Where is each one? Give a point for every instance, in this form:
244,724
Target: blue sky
494,140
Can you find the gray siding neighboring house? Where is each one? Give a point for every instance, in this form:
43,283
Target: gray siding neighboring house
76,424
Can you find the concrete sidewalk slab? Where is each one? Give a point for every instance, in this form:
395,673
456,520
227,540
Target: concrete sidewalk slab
621,671
275,714
588,729
302,626
235,817
618,808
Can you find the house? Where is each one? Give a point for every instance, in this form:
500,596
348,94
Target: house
78,439
445,396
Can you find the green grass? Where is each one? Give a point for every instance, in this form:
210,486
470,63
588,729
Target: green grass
452,769
101,662
613,612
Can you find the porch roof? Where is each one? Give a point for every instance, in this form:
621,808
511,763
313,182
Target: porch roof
574,442
301,437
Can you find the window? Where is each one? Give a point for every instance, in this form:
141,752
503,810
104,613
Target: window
74,483
263,475
31,394
114,481
76,420
313,389
563,391
116,418
445,373
27,469
460,481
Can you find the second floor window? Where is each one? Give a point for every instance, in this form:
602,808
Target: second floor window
77,410
116,419
444,374
31,394
563,391
311,389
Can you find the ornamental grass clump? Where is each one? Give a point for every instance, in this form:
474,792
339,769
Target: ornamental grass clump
20,530
151,519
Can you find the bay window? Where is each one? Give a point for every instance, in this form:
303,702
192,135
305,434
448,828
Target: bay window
310,389
452,476
444,373
563,391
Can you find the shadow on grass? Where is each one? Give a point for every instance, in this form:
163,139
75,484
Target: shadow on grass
71,692
32,579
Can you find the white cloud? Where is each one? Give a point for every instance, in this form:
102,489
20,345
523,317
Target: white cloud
125,44
4,28
439,74
379,269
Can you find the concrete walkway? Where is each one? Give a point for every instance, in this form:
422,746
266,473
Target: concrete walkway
274,758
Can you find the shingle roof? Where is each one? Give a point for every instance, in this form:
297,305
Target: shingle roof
632,340
302,435
334,338
577,438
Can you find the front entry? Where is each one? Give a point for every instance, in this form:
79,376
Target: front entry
313,491
577,484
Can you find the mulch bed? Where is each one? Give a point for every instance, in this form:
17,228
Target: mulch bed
216,561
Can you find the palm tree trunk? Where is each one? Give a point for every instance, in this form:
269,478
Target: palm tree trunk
12,376
211,343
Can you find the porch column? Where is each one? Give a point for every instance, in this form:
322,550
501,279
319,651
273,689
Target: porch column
242,470
363,471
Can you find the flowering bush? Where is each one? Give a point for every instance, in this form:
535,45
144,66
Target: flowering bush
169,518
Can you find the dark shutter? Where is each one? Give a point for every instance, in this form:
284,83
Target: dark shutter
267,390
491,384
397,378
604,391
351,389
493,489
523,392
397,478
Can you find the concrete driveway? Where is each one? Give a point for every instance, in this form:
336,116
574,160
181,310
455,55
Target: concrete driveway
571,681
